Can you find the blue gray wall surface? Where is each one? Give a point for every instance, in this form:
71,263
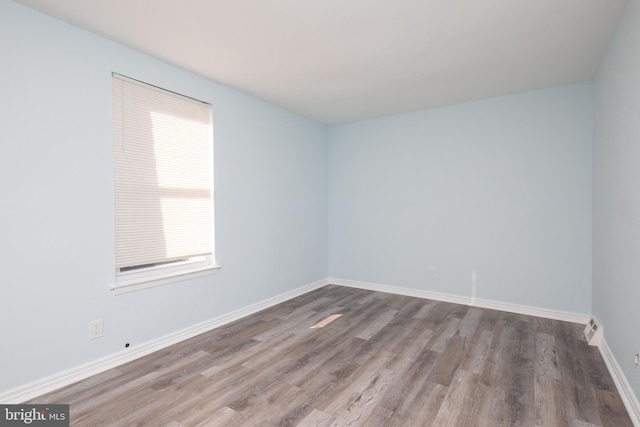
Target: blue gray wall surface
616,195
499,189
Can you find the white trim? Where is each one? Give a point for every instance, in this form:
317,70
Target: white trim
54,382
624,388
476,302
163,278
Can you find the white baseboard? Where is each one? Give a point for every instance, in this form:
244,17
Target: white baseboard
624,388
62,379
476,302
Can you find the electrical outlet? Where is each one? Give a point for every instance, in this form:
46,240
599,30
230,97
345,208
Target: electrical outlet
95,329
431,272
636,359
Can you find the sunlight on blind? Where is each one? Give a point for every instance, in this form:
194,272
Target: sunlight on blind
184,197
163,152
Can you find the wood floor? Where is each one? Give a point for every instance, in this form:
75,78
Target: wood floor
388,360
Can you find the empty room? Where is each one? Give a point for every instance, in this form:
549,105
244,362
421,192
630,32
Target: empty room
295,213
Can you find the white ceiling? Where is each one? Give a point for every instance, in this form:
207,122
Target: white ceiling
338,61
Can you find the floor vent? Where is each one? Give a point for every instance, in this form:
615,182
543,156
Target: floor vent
593,332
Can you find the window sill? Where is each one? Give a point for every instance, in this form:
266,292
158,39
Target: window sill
139,283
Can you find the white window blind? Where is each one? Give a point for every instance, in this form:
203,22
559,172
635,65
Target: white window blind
163,153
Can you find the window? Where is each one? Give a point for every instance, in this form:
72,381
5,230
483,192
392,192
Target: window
163,156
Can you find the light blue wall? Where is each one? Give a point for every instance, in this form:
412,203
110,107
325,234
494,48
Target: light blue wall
57,238
616,195
500,186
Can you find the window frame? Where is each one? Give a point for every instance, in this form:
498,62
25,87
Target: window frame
135,278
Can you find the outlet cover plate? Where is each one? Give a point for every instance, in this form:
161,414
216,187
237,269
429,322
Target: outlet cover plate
431,272
95,329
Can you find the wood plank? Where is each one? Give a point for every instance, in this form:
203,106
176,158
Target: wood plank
405,346
410,383
580,403
470,322
611,409
423,409
317,418
380,321
266,408
222,417
448,362
364,399
546,362
427,305
548,401
369,379
442,335
547,388
477,354
462,402
509,373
